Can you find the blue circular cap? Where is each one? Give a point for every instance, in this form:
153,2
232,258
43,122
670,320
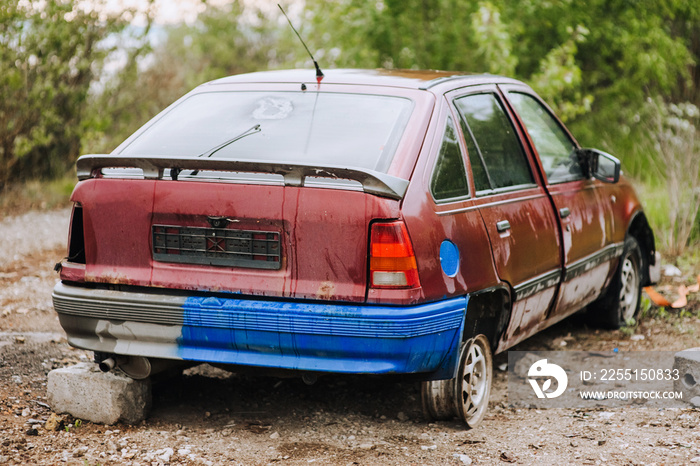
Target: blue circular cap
449,258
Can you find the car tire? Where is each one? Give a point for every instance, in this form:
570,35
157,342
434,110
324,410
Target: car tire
621,301
467,395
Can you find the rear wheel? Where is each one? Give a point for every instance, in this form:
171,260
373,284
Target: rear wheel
467,395
620,303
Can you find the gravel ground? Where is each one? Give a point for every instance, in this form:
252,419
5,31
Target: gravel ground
209,416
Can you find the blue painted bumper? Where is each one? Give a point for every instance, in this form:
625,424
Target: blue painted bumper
307,336
324,337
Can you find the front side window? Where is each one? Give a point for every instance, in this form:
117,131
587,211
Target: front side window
449,177
496,144
352,130
553,145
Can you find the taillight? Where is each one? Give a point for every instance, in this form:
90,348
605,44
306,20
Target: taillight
392,263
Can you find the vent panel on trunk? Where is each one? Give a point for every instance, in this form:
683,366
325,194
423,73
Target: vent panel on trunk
217,246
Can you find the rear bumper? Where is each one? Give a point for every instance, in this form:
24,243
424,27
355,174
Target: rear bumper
295,335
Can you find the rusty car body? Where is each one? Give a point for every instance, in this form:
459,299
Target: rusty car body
372,221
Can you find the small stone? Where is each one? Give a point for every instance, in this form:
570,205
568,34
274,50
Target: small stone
26,412
166,454
19,339
637,337
695,460
428,447
463,458
80,452
352,437
17,379
403,417
366,446
275,435
32,432
54,422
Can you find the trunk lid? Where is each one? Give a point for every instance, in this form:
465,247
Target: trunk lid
255,239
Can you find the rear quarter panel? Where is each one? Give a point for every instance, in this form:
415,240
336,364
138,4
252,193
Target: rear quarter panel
430,223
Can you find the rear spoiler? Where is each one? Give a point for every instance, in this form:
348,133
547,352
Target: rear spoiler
373,182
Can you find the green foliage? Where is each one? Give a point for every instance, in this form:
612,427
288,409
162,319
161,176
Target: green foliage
630,327
50,53
674,130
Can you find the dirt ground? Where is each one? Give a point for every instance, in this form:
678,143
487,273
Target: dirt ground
208,416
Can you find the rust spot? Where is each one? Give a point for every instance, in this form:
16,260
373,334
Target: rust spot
326,290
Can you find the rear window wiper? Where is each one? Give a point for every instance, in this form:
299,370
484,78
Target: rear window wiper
175,172
248,132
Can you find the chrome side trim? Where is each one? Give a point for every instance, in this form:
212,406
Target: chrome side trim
592,261
535,285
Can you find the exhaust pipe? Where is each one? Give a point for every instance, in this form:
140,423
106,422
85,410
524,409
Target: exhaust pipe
107,365
137,367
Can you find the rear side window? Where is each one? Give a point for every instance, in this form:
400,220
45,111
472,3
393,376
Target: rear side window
496,144
449,177
308,128
555,148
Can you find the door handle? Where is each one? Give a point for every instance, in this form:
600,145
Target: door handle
502,226
564,212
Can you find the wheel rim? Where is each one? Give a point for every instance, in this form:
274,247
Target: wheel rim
629,293
473,386
474,380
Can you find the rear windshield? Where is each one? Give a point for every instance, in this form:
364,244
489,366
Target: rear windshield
352,130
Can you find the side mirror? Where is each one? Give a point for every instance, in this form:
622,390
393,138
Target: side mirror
600,165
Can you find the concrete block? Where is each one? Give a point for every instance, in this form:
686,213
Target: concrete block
688,364
85,392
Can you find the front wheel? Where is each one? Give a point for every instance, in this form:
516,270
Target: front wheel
620,303
467,395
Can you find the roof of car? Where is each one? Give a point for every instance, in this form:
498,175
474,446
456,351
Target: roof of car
411,79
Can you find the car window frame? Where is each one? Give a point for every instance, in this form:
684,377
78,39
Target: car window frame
439,139
524,89
518,131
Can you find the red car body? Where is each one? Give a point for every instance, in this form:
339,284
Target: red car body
340,265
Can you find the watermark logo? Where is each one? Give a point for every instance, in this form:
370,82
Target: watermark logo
541,369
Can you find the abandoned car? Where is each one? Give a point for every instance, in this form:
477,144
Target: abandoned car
365,222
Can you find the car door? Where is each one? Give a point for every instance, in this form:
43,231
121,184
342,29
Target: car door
515,209
584,212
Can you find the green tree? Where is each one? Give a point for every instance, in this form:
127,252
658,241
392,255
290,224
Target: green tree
50,54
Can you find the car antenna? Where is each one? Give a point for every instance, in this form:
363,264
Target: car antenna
319,73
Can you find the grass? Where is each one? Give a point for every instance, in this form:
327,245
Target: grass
655,200
36,195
